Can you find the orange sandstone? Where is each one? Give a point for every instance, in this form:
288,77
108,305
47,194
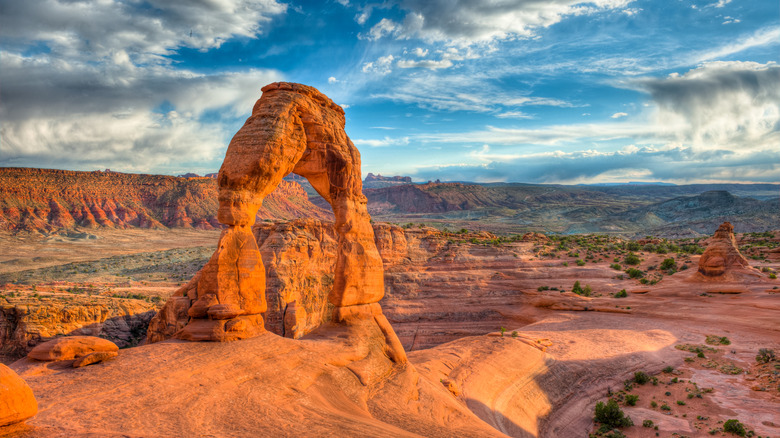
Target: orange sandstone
17,402
722,253
293,129
71,347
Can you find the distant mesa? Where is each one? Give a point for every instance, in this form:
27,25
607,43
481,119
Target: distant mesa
404,179
188,175
226,299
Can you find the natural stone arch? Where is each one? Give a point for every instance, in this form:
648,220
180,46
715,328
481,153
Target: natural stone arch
293,129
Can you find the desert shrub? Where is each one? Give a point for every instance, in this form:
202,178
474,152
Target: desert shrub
668,369
611,415
715,340
616,267
668,264
565,263
641,377
665,407
586,291
632,259
647,423
580,262
633,246
680,402
631,399
735,427
577,288
653,404
765,355
773,276
543,288
634,273
621,294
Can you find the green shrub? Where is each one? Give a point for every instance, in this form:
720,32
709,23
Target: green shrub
611,415
647,423
577,288
634,273
580,262
632,259
616,267
653,404
621,294
735,427
543,288
680,402
631,399
668,369
665,407
641,377
773,276
766,355
715,340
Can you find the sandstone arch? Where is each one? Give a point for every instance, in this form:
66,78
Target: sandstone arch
293,129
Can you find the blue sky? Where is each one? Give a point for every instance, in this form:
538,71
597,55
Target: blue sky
554,91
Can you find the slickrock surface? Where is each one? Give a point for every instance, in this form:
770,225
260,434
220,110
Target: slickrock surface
17,402
722,254
293,129
26,321
47,200
71,347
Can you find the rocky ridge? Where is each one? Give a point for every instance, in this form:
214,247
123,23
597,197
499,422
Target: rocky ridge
47,200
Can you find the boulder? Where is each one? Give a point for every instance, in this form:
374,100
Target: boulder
92,358
71,347
17,402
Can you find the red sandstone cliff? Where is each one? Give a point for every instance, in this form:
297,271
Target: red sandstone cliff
46,200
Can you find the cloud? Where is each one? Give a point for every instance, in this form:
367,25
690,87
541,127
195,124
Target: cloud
766,36
589,166
384,142
482,21
145,31
90,84
719,4
721,104
425,63
514,115
332,80
382,66
618,115
420,52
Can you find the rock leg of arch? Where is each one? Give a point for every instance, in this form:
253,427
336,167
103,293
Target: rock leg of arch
293,129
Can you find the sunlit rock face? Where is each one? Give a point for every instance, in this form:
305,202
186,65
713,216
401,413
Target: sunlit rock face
293,129
722,253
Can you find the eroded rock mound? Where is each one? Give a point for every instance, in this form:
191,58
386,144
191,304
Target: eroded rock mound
293,129
17,402
71,347
722,254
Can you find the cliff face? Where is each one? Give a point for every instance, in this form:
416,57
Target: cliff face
46,200
434,291
26,321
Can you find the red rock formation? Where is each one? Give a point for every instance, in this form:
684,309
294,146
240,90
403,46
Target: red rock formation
93,358
17,402
71,347
46,200
722,254
293,128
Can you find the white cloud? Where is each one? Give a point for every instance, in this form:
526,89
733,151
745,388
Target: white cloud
420,52
618,115
483,21
733,105
384,142
102,92
332,80
382,66
762,37
424,63
514,115
719,4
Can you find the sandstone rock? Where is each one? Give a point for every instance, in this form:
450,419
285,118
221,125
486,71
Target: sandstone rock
293,129
92,358
71,347
17,402
722,254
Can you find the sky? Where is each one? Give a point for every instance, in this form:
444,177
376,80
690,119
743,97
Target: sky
531,91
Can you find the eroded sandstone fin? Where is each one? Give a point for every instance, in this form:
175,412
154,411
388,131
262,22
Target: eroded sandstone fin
293,129
722,254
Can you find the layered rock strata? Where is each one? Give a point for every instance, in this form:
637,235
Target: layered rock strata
722,254
293,129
